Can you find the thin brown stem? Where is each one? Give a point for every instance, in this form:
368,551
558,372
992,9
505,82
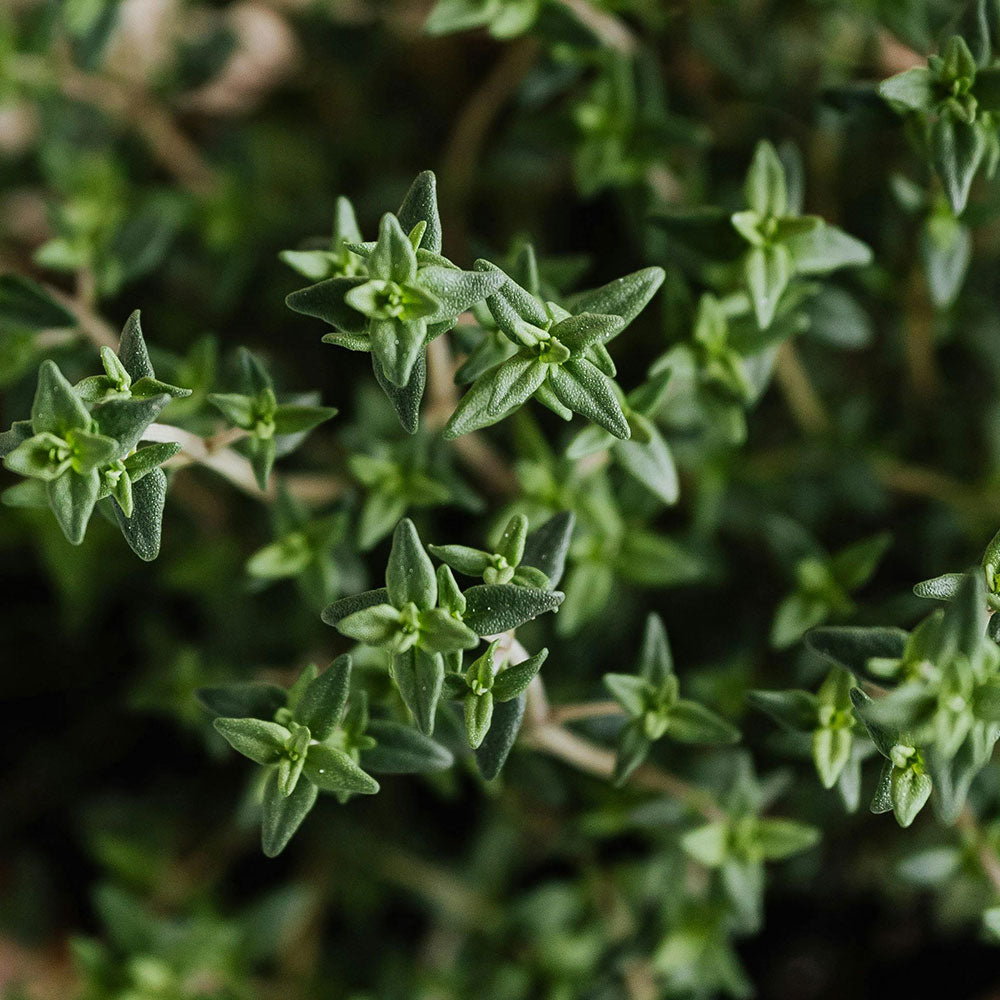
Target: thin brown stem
462,154
489,466
612,32
542,732
585,710
210,454
98,330
130,102
985,854
804,402
919,342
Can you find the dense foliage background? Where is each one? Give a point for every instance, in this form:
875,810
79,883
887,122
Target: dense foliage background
160,154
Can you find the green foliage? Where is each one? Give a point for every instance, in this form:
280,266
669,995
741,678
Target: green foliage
524,796
82,445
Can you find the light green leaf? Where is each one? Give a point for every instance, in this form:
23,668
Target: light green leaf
410,576
261,741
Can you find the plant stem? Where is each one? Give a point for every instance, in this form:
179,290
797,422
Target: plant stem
474,450
585,710
543,730
98,330
985,854
211,453
612,32
919,344
462,153
804,402
215,453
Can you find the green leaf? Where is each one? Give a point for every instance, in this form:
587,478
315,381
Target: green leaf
450,597
546,547
495,608
462,558
478,715
797,711
322,705
651,462
140,463
939,588
767,271
473,410
831,750
946,250
656,662
511,545
625,297
283,815
958,150
235,407
512,384
56,408
654,560
326,301
401,749
582,388
512,306
690,722
263,452
492,753
911,90
586,329
393,258
126,420
419,676
420,205
39,457
708,844
456,291
909,792
396,347
883,738
263,742
777,839
373,626
26,305
72,498
442,633
405,399
410,576
285,558
333,613
142,530
90,451
588,588
290,419
449,16
856,564
965,618
826,248
19,432
633,748
629,691
514,679
766,191
332,770
852,647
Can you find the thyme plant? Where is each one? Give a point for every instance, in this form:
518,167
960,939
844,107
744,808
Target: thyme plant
638,548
